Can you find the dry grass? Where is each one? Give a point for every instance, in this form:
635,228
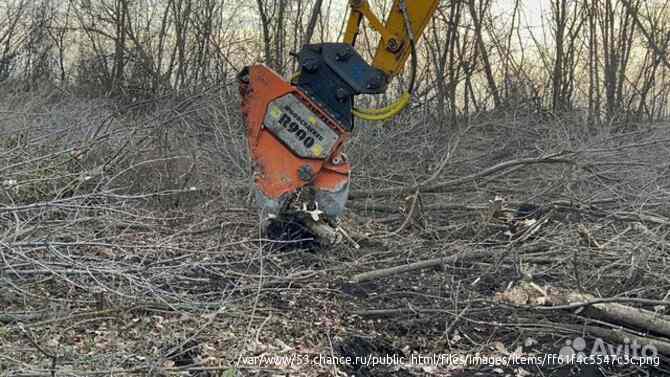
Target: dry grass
127,244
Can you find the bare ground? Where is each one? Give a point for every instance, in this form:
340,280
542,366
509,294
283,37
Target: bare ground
128,246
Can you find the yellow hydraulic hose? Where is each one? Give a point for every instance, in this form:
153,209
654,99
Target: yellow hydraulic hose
380,114
384,113
393,109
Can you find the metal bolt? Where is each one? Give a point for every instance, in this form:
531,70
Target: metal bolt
310,65
343,55
393,45
376,81
341,94
306,173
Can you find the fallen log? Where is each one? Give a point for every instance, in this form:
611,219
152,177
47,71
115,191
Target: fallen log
632,316
390,271
529,295
620,336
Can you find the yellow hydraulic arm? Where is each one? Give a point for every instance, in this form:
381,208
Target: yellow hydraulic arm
395,43
399,34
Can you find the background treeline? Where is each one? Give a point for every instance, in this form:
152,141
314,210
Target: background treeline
604,58
129,243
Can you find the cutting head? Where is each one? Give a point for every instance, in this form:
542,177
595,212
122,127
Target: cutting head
296,147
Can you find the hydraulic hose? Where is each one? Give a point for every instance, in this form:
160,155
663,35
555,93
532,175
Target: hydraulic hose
392,110
384,113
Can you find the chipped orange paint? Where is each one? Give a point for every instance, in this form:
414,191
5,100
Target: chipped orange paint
276,166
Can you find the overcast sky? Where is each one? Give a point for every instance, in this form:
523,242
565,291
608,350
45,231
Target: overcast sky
532,10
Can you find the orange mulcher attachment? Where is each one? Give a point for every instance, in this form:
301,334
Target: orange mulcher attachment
293,145
296,133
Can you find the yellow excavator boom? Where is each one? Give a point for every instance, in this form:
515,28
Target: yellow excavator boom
394,45
297,130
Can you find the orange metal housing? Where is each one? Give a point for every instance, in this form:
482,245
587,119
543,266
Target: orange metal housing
276,167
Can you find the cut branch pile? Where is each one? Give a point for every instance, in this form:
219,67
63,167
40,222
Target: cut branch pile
106,273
